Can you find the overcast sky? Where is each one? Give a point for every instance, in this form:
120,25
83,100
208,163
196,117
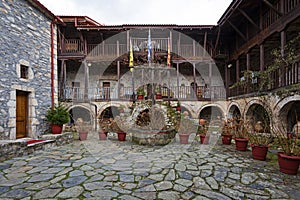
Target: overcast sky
118,12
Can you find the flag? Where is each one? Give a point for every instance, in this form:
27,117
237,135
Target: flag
130,55
169,54
149,46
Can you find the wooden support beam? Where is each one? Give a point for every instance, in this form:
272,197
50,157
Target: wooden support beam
204,43
272,7
237,30
249,18
218,38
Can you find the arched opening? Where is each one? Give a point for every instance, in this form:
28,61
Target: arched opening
234,112
211,113
109,112
257,113
289,114
80,112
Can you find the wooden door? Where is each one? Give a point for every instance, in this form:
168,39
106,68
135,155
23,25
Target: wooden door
106,88
21,114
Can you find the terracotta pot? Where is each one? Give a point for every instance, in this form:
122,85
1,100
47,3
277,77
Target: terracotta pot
102,135
288,164
121,136
241,144
226,139
259,152
184,138
178,108
158,96
83,135
56,129
140,97
204,139
202,122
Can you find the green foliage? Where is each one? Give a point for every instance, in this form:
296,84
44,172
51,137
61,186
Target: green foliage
58,115
140,91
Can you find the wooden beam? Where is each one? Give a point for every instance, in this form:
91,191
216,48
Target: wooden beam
218,37
272,7
249,18
237,30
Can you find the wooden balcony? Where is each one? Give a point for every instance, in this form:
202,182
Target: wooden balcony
106,51
182,93
281,78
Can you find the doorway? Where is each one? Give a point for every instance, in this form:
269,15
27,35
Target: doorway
21,114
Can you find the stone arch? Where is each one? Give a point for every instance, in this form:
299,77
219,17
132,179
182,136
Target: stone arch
108,111
289,114
211,112
234,110
81,111
257,112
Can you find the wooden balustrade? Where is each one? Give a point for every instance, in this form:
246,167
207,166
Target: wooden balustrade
125,93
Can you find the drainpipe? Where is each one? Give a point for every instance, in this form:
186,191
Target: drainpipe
52,62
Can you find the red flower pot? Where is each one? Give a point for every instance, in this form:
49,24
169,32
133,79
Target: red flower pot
226,139
184,138
178,108
158,96
102,135
121,136
259,152
241,144
288,164
140,97
83,135
56,129
204,139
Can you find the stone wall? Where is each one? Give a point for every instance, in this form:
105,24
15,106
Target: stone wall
25,40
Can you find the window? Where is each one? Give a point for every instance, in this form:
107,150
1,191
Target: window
24,71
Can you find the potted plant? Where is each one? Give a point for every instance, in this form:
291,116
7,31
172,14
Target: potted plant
186,127
259,140
83,128
240,133
120,125
104,126
227,132
289,156
178,106
140,93
57,116
202,134
158,94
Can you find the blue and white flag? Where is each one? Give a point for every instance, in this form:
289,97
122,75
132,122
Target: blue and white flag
149,46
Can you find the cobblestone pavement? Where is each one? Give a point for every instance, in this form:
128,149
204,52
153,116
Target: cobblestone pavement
110,169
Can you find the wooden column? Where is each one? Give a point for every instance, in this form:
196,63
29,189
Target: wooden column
118,74
262,57
194,77
178,44
86,80
227,78
282,47
177,66
248,68
210,80
127,40
237,70
62,79
194,48
204,44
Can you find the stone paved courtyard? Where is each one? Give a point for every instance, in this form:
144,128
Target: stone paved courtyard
111,169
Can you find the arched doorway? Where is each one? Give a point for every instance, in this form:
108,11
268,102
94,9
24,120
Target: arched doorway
211,113
109,112
289,114
234,112
257,113
80,112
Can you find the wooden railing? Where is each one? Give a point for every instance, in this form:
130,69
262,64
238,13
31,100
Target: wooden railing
281,77
71,46
289,5
125,93
113,50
